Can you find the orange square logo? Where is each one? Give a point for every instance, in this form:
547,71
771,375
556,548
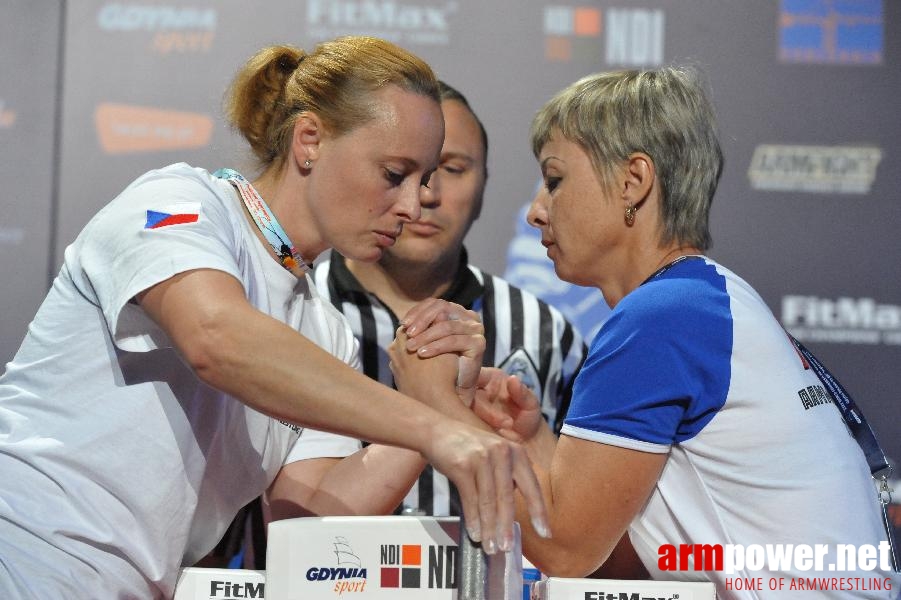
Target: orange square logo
588,21
557,48
411,555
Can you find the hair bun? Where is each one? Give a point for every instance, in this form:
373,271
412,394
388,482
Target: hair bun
289,61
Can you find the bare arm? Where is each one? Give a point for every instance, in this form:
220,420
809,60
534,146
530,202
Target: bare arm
372,481
623,563
588,486
237,349
375,479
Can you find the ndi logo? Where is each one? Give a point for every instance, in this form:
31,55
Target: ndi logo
634,36
395,21
584,21
571,30
843,320
401,566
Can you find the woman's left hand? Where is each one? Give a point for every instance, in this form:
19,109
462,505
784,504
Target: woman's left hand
437,326
508,406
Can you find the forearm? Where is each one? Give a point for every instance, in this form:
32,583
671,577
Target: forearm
540,448
448,404
560,555
283,374
372,481
589,487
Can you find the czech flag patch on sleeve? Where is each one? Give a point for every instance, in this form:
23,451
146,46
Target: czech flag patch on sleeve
187,212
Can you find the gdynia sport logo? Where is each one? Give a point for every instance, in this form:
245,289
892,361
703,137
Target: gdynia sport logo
801,560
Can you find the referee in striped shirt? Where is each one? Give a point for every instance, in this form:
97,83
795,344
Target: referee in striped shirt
525,336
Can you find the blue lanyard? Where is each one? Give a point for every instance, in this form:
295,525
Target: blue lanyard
265,220
670,265
863,435
860,429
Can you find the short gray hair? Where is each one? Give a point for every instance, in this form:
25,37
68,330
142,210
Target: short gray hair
664,113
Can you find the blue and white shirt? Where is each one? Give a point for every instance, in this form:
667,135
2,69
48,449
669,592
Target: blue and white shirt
693,364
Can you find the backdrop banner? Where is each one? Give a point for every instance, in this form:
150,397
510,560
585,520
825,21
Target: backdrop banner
93,94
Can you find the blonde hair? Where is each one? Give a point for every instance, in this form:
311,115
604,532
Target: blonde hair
664,113
336,82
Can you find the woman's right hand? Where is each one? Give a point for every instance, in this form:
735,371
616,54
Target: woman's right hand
485,468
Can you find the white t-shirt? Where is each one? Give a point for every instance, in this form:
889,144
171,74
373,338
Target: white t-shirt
694,364
118,465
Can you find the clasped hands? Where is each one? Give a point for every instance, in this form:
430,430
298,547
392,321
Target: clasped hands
436,357
454,338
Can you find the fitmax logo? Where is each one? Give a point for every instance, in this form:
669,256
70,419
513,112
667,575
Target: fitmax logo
625,596
370,13
227,589
864,313
843,320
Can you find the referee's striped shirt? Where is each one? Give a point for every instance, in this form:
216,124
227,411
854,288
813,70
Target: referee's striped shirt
524,335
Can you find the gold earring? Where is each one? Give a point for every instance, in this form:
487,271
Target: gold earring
630,214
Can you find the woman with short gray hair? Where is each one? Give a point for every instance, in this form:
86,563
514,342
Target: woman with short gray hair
695,420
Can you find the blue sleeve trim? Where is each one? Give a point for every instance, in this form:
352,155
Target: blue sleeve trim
614,440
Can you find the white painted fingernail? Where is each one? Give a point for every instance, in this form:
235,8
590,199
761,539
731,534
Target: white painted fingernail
474,534
489,547
541,528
